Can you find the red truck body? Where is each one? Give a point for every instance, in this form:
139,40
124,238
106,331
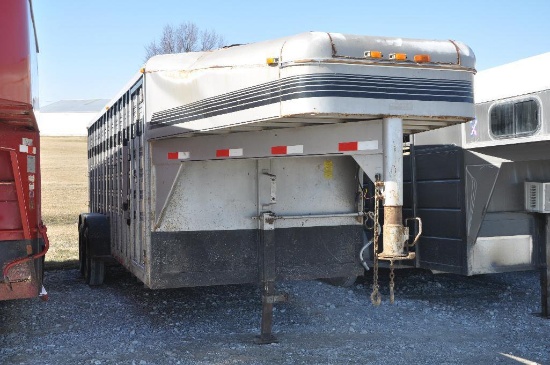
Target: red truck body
23,240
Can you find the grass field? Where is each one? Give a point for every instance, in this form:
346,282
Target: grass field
64,195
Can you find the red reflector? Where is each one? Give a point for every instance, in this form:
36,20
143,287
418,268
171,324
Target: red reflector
172,155
278,150
347,146
222,153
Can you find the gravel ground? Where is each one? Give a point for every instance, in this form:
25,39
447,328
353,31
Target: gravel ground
437,319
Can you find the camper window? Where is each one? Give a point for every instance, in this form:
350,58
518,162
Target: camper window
514,119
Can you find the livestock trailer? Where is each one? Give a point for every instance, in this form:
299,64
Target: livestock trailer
245,164
477,186
23,240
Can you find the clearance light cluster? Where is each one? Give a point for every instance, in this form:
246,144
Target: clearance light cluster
272,61
419,58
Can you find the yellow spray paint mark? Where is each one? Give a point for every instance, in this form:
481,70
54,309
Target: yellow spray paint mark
328,169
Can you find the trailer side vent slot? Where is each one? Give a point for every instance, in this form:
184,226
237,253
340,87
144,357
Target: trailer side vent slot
533,196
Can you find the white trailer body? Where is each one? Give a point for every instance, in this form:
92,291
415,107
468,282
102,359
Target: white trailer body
245,164
485,165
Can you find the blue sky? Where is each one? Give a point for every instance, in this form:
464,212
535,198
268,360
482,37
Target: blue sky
90,49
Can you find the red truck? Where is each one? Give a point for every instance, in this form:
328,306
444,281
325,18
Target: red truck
23,239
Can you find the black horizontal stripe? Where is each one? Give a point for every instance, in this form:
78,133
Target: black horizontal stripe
273,88
335,78
318,85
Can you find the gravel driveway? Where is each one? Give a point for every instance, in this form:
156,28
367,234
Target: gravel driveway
437,319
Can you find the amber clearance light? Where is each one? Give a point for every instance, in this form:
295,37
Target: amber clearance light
420,58
398,56
373,54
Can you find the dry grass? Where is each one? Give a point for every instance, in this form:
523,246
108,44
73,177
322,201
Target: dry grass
64,195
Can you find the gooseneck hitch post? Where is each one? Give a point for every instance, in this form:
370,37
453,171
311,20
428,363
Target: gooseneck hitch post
394,233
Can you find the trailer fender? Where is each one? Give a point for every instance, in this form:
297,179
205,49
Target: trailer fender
99,231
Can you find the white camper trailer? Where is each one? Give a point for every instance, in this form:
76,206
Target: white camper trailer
468,183
245,164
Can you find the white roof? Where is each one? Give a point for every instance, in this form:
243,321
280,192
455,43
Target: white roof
75,106
521,77
315,46
68,117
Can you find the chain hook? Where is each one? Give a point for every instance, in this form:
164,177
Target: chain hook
392,283
375,297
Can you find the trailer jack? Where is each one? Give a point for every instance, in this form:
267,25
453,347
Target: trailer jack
390,191
268,274
395,246
268,299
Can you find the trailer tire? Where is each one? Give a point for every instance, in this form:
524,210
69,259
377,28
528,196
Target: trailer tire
81,252
94,270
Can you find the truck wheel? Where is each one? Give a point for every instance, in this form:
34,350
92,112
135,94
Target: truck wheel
94,270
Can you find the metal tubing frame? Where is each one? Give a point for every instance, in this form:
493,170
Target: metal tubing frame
311,216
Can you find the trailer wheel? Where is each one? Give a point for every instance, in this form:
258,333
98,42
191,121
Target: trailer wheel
94,270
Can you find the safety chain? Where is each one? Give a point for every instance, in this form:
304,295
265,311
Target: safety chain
375,297
392,283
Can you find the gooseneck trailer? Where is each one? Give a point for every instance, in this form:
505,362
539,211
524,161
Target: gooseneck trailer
245,164
23,240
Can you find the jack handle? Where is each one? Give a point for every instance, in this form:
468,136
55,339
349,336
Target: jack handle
419,230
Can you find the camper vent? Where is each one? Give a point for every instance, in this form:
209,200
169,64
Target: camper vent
537,197
533,196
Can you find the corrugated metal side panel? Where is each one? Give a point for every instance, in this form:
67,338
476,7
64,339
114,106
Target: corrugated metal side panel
440,204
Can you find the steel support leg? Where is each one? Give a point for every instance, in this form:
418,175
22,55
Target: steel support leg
267,276
266,336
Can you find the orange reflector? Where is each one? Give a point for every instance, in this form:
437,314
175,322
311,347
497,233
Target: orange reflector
373,54
422,58
272,61
398,56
